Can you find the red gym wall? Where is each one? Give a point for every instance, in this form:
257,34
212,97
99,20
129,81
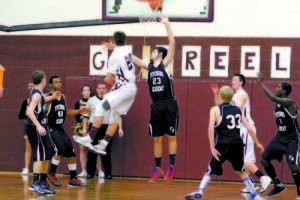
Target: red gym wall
132,155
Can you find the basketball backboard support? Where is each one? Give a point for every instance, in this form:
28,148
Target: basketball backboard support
175,10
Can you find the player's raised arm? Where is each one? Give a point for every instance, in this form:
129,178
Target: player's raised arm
171,38
139,62
270,95
215,89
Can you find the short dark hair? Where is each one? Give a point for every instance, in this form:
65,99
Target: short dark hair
85,85
37,77
162,50
102,83
51,78
287,87
242,78
119,38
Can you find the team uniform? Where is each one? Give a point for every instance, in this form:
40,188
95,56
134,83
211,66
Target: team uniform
246,137
228,140
93,103
164,108
40,145
286,140
59,136
122,95
80,104
22,114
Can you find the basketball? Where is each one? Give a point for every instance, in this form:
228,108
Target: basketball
155,4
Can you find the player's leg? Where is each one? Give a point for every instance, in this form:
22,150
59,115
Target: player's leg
236,158
272,152
105,159
214,168
172,118
27,156
57,141
292,161
158,149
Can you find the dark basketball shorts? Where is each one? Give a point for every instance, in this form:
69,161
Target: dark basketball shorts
164,118
62,142
41,145
234,153
282,145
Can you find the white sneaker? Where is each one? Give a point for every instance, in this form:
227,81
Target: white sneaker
257,197
25,171
246,190
265,183
84,141
99,148
83,174
101,174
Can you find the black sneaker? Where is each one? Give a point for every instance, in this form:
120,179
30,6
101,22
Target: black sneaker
276,190
45,185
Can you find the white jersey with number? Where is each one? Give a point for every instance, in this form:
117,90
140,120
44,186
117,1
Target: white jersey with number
120,64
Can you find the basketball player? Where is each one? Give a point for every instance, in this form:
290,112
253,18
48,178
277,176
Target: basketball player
121,74
164,109
92,104
286,141
226,119
60,138
36,126
241,99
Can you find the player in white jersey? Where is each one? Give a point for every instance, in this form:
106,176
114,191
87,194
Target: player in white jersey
121,74
241,99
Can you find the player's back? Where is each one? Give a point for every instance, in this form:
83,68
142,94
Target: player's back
120,64
228,128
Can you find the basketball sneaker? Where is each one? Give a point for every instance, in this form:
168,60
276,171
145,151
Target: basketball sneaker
75,183
246,190
257,197
25,171
265,183
99,148
84,141
82,174
157,173
194,195
36,187
276,190
170,173
101,174
47,187
53,180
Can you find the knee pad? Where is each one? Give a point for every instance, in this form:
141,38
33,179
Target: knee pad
106,105
265,163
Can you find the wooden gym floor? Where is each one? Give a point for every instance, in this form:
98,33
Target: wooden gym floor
13,186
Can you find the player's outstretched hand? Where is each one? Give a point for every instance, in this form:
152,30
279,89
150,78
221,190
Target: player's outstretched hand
84,110
260,148
109,45
214,88
56,94
215,154
260,78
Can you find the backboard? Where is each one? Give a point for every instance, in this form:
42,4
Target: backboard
175,10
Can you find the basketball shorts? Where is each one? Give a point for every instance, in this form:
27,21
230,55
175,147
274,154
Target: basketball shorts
41,145
249,145
234,153
164,118
120,100
282,145
62,142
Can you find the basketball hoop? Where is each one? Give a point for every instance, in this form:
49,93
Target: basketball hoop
152,18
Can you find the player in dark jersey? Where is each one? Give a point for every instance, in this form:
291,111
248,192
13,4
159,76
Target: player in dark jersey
164,109
60,138
226,119
286,141
36,126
